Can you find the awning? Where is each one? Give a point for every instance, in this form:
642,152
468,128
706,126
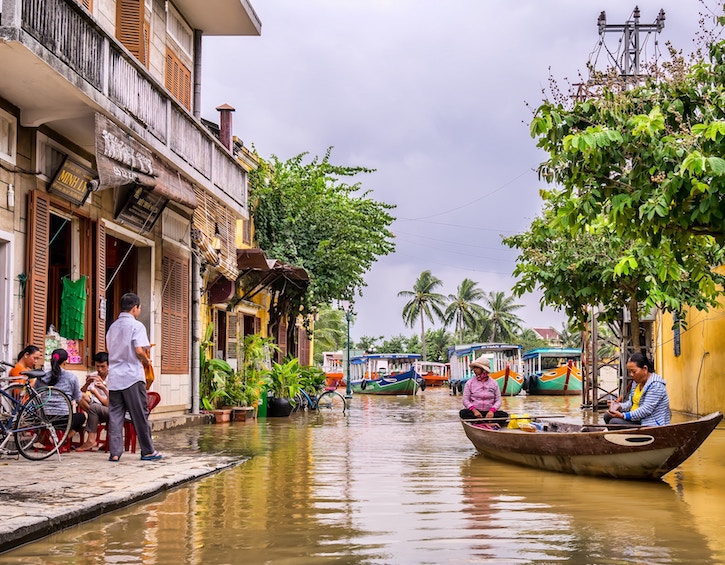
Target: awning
122,160
257,272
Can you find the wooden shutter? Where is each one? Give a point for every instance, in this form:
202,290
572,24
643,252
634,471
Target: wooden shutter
232,330
175,315
130,27
87,4
303,347
36,290
282,340
178,79
98,311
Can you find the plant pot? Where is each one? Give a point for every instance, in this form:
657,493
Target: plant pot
278,407
244,413
222,415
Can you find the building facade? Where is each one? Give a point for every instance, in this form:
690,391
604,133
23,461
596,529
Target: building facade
109,181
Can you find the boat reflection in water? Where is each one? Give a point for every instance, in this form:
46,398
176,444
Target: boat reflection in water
516,515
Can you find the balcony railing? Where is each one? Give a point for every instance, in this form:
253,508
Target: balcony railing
65,29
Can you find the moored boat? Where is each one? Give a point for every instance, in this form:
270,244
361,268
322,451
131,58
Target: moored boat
632,453
553,371
434,374
333,368
506,365
386,374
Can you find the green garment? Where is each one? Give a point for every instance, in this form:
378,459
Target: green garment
73,308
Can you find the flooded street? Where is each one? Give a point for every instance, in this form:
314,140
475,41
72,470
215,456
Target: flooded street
398,482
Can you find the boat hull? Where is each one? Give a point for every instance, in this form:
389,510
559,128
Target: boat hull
562,381
509,382
639,453
403,383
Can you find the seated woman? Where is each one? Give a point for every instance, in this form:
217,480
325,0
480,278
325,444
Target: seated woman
481,395
95,400
66,382
29,358
648,403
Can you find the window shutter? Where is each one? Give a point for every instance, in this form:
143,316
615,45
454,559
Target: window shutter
175,315
130,27
282,340
231,336
178,80
303,347
36,290
99,304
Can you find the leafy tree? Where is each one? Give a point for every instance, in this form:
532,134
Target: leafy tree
437,343
305,215
423,303
570,336
369,344
637,217
500,311
463,309
395,344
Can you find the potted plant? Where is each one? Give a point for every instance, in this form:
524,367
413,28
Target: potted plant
254,362
216,380
283,383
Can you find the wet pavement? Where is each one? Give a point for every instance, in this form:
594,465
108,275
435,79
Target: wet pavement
42,497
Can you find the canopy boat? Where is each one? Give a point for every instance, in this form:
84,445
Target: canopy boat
631,453
385,374
333,368
553,371
434,374
506,365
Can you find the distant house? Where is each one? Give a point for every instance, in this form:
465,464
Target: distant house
549,335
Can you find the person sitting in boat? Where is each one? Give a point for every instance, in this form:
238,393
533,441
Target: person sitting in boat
481,396
648,403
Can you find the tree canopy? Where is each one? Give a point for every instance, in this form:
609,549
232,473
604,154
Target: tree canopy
636,212
306,215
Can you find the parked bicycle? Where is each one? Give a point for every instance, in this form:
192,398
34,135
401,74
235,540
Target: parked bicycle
328,401
37,420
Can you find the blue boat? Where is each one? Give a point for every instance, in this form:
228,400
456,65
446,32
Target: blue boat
506,366
553,371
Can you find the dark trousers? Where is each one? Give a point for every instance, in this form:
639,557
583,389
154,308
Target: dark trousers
612,420
467,414
132,399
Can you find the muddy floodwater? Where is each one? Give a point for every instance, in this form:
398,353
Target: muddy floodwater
398,482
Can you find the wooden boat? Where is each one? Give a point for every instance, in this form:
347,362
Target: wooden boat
385,374
553,371
506,365
333,368
434,374
631,453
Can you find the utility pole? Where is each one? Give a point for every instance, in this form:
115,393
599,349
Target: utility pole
629,64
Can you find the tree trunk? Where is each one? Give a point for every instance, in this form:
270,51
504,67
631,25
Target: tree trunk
422,334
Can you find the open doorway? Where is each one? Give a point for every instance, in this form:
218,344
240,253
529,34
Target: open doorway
121,273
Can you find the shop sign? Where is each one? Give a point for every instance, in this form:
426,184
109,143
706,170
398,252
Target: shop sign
142,208
72,182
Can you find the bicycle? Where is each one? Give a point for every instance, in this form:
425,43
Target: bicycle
328,400
24,417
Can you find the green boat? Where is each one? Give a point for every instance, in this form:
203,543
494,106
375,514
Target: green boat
386,374
553,371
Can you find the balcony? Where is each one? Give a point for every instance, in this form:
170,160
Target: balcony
59,68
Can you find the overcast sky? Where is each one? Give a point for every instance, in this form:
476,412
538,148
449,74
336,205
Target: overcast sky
433,95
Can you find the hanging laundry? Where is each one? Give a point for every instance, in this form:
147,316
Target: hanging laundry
73,308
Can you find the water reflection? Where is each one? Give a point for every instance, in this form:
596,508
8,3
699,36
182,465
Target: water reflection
398,482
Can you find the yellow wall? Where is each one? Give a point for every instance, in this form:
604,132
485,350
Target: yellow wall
696,378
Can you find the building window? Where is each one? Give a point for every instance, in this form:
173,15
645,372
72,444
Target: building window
179,32
132,30
8,136
303,347
87,4
178,79
175,309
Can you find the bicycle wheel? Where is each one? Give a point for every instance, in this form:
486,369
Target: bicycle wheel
7,406
38,435
331,402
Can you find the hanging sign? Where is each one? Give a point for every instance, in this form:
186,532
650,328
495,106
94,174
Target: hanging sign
142,208
72,182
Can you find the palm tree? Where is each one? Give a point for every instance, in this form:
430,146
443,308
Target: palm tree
423,303
504,323
463,307
330,331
